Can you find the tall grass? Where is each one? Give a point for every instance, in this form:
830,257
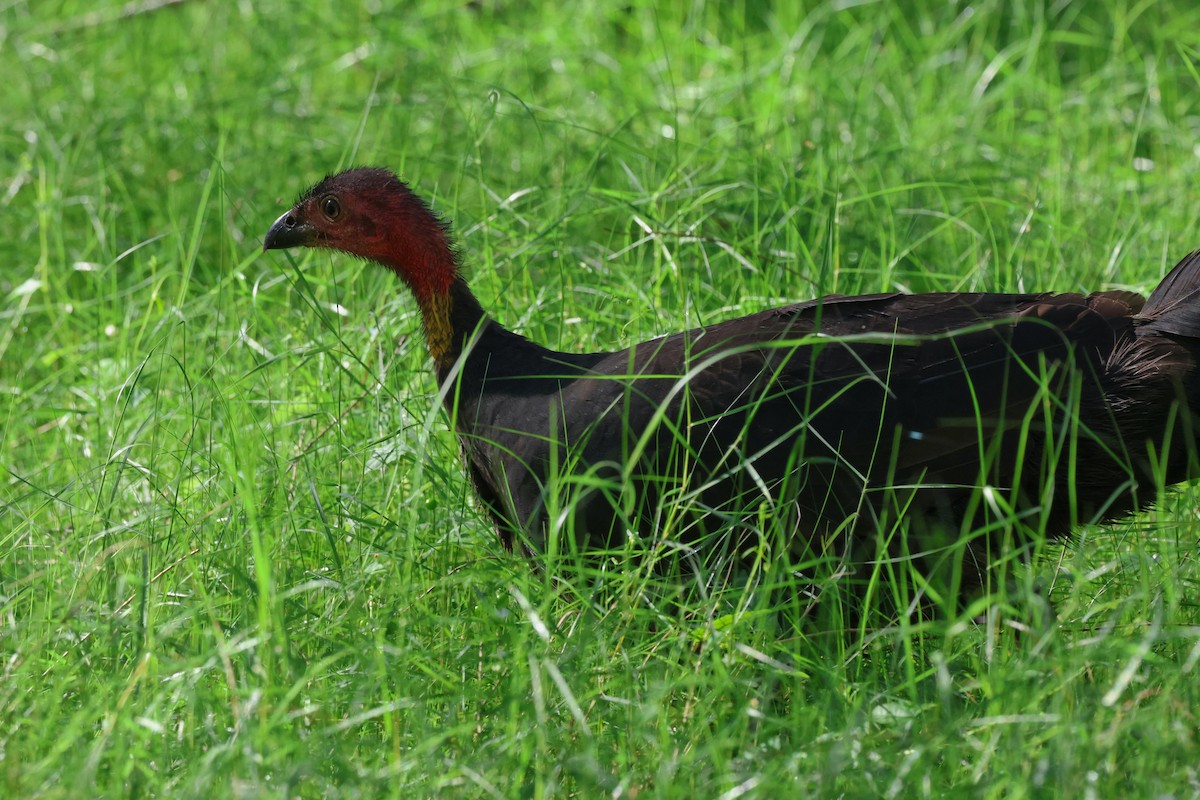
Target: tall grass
238,555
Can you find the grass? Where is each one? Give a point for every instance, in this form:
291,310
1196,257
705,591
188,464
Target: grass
238,556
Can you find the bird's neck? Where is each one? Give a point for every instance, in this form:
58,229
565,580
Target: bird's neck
424,258
437,317
450,318
462,339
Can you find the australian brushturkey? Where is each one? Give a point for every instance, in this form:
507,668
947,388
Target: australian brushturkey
920,419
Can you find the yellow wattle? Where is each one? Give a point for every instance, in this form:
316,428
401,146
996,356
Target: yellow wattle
435,315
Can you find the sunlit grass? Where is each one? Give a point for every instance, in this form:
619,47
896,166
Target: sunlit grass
238,554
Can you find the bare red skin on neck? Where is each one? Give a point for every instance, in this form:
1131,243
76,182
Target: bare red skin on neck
394,228
372,214
421,256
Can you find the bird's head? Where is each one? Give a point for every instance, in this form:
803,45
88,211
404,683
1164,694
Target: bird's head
370,213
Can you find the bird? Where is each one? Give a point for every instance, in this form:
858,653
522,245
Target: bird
926,422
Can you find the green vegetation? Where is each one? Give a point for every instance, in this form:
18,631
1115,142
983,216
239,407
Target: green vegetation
238,555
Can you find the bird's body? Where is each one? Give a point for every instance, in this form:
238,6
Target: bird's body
844,416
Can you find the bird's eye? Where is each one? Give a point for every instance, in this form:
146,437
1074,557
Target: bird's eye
331,207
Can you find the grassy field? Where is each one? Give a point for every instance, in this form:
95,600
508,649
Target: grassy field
238,555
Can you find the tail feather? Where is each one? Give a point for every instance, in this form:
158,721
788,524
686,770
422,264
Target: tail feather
1174,307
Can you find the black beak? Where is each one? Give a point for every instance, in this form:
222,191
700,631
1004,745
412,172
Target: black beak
289,231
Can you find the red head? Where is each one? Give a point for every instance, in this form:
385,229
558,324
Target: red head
370,213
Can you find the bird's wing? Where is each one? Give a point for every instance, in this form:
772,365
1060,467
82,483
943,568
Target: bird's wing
913,381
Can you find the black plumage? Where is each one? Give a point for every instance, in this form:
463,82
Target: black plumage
944,414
